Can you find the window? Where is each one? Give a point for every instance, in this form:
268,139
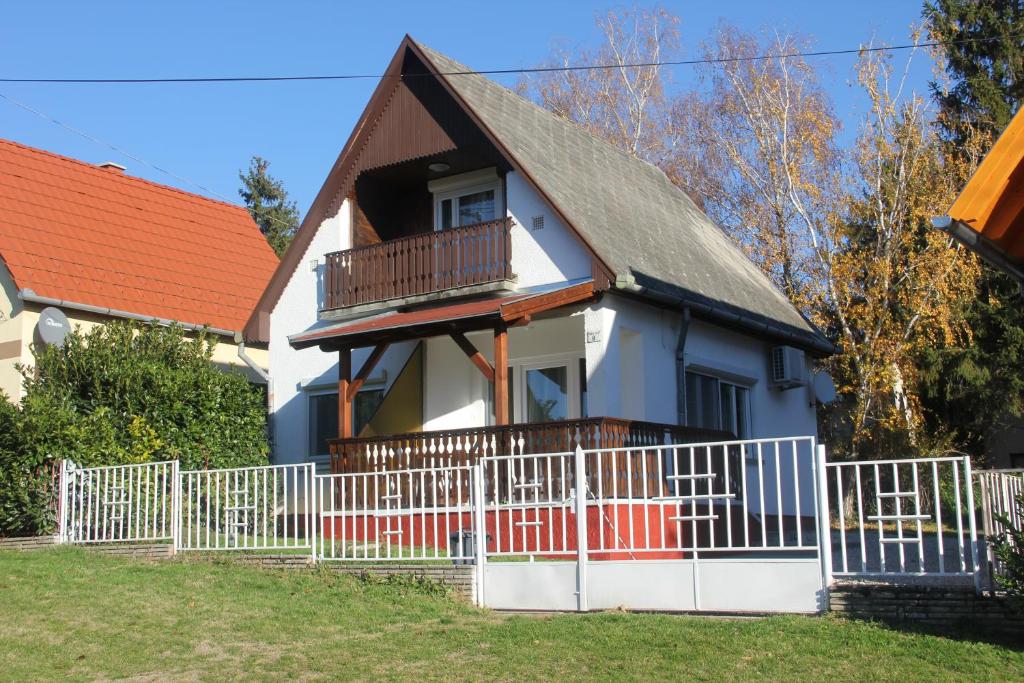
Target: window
323,416
547,394
323,422
713,403
542,392
467,198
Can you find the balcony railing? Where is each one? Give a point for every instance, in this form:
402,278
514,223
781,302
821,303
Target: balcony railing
420,264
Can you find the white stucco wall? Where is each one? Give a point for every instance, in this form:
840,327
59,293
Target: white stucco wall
454,388
651,334
294,374
548,255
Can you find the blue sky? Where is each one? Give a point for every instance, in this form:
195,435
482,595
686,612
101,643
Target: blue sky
207,132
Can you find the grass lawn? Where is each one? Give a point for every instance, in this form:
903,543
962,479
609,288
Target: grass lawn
72,613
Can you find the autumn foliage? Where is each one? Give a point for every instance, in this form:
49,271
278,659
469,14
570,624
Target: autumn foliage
842,229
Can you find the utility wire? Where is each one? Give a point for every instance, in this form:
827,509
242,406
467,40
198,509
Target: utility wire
525,70
128,154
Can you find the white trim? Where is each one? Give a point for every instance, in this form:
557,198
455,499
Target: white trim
454,187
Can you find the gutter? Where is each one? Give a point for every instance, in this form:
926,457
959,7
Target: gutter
28,295
684,329
979,244
627,283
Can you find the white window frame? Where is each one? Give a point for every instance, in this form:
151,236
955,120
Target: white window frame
454,187
310,432
729,380
517,376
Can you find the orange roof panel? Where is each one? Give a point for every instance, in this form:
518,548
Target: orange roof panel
73,231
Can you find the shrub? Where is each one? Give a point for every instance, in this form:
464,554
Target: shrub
125,393
1008,548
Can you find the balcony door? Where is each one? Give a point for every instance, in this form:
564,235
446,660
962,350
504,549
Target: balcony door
467,198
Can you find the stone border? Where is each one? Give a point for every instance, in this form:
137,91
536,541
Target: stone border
948,608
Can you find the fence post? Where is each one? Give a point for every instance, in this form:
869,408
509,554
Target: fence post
480,522
972,522
176,506
824,525
313,516
581,530
62,503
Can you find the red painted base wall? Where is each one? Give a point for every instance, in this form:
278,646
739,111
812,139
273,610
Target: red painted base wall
547,533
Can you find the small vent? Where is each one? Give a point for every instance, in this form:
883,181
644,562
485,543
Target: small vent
538,222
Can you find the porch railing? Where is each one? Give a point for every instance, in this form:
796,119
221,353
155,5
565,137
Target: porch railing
420,264
464,446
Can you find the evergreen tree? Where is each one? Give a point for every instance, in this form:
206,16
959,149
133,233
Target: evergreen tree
977,390
983,42
268,203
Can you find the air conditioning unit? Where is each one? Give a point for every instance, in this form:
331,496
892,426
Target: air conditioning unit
787,367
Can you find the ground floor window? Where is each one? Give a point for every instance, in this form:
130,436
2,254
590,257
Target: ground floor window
713,403
543,391
323,416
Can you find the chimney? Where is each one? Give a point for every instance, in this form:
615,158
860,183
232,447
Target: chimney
112,166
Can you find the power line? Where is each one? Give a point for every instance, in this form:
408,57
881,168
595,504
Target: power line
133,157
486,72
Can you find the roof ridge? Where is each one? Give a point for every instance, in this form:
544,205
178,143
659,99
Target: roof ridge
124,176
564,121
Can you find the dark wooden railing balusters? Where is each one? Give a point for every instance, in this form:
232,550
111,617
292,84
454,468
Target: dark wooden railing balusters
419,264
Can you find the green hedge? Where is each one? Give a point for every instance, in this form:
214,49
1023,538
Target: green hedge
123,393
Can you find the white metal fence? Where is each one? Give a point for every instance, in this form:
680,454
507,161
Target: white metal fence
999,491
247,508
754,501
414,514
903,517
119,503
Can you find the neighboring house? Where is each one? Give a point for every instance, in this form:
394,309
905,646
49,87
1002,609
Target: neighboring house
988,218
473,261
100,245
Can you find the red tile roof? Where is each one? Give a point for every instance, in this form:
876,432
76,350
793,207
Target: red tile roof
72,231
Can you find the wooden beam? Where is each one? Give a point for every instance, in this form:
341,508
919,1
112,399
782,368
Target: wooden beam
474,355
364,372
344,402
500,376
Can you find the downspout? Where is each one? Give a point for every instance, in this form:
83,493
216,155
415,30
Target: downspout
684,329
248,360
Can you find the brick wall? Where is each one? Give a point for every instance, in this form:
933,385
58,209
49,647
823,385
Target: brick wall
948,608
457,577
27,542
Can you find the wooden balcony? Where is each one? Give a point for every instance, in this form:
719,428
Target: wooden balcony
420,264
464,446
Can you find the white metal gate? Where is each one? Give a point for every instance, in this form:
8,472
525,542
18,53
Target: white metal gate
119,503
725,526
247,508
912,517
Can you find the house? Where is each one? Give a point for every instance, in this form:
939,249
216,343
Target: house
478,273
84,244
988,215
988,218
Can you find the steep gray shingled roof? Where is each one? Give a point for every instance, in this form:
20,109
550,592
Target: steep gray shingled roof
630,213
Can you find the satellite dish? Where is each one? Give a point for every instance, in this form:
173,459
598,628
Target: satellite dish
824,388
53,326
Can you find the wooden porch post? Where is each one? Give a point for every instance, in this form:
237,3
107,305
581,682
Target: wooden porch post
344,400
501,376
